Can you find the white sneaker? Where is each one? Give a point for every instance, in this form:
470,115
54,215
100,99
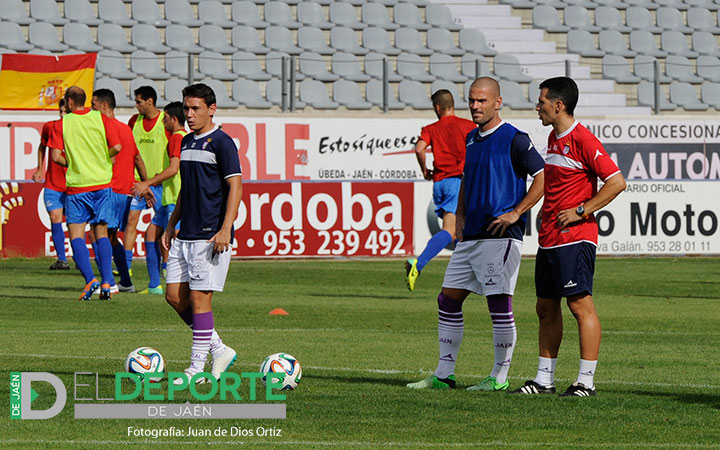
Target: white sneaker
122,288
223,362
114,289
188,375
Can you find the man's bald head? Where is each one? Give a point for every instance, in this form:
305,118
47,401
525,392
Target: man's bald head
75,98
488,83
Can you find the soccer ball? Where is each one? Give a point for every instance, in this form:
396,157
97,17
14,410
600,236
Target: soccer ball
282,362
145,360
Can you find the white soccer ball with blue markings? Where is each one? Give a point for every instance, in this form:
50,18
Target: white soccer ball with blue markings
283,363
145,360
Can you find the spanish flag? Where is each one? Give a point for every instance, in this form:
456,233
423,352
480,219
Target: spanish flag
39,81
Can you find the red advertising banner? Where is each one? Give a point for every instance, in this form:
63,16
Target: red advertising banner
283,219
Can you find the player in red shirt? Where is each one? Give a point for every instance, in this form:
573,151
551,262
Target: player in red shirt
54,190
123,178
446,138
568,235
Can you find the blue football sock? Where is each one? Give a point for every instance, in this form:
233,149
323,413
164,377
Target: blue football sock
105,255
58,238
118,252
152,264
128,259
97,258
436,243
81,255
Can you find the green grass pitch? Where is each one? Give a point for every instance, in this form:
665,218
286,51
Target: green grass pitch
361,336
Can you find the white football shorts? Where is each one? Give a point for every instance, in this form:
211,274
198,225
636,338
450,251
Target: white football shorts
193,262
485,267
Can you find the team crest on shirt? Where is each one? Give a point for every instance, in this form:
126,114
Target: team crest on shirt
566,149
205,144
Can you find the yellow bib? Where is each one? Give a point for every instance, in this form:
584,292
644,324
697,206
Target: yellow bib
86,150
152,145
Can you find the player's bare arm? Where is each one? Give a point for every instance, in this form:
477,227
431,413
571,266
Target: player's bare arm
57,156
534,194
142,188
38,175
420,152
222,238
612,188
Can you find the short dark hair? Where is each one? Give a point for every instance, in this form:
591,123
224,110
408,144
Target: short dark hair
564,89
105,96
202,91
146,92
443,98
61,102
76,94
175,109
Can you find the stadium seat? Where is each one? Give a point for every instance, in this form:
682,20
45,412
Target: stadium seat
246,13
643,42
439,16
374,94
679,4
273,93
246,38
377,40
708,67
704,42
619,4
181,13
46,11
70,51
612,42
473,41
707,4
343,14
647,4
347,93
442,41
247,93
513,95
609,18
520,4
313,65
176,64
534,91
114,12
685,96
280,39
313,40
214,65
639,18
212,12
674,42
147,11
343,39
39,51
246,65
13,11
77,36
581,42
278,13
376,15
413,94
80,11
146,37
221,93
546,17
408,15
147,65
112,64
444,67
121,97
680,68
578,18
470,63
315,94
412,67
616,68
42,35
644,67
406,40
701,19
646,96
347,66
374,67
450,86
212,37
508,67
311,14
112,37
710,94
180,37
671,19
173,89
273,65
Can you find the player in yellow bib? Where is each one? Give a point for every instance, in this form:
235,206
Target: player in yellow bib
174,122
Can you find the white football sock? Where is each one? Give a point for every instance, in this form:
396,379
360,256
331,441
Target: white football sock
450,334
546,371
586,375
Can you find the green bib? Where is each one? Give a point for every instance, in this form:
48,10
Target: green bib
171,186
86,150
152,145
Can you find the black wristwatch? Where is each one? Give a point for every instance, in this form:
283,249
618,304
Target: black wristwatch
580,211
